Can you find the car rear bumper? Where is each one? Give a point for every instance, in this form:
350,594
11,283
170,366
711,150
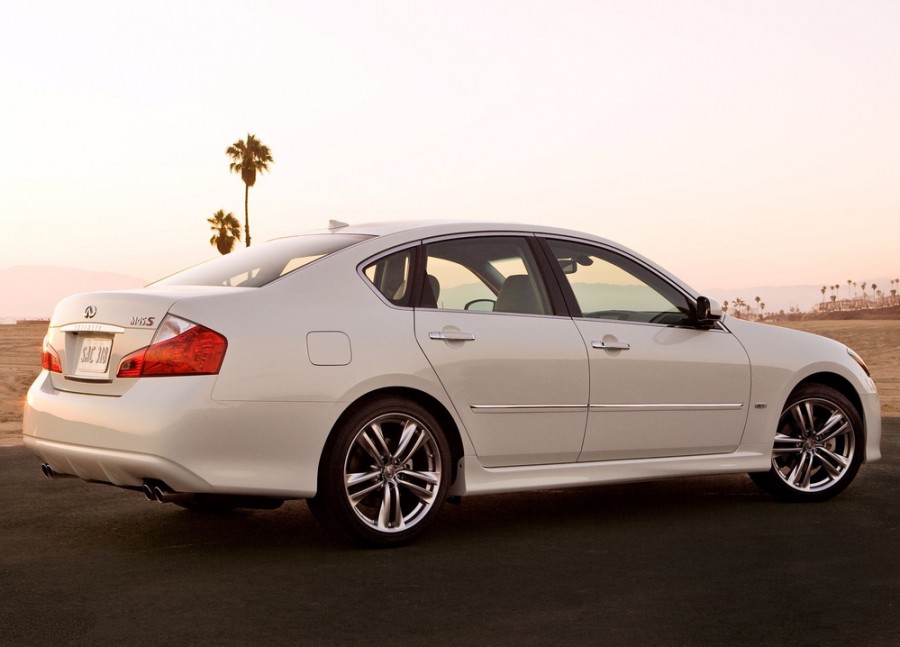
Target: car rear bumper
170,430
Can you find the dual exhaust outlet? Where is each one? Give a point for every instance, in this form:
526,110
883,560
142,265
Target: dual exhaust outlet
50,473
160,492
153,490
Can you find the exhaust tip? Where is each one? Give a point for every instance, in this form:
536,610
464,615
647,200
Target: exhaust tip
47,471
148,492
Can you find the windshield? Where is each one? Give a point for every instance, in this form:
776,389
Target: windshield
256,266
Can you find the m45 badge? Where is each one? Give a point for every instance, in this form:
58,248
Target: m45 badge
142,321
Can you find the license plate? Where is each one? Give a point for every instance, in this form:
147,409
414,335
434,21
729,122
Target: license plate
93,357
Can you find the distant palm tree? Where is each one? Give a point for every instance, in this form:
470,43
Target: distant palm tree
227,231
725,305
248,157
849,283
757,306
823,294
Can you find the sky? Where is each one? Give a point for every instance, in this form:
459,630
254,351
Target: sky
734,143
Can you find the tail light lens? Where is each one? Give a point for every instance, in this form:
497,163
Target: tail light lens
179,347
50,358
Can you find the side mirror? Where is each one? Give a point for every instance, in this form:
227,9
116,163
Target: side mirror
709,311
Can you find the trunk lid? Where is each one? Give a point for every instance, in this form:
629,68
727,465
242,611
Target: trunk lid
93,331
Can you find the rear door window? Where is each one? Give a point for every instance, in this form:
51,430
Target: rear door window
492,273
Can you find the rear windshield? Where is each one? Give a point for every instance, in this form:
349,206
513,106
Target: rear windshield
256,266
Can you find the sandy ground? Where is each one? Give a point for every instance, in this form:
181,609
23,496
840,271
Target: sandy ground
20,363
878,342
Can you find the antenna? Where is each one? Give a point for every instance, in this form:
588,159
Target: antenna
337,224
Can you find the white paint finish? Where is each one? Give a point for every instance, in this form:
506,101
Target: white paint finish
478,479
513,360
674,392
519,388
328,348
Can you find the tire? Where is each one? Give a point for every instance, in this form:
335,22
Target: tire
384,474
818,446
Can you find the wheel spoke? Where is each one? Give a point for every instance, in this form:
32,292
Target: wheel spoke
412,435
803,416
376,448
802,472
834,464
357,496
836,426
424,494
356,478
787,445
390,516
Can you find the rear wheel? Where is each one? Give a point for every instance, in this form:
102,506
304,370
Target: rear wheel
384,475
818,446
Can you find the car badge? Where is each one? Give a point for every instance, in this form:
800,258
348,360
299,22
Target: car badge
90,312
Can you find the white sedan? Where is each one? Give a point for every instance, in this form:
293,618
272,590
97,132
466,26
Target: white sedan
377,370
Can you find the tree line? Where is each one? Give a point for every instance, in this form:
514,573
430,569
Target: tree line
248,157
880,297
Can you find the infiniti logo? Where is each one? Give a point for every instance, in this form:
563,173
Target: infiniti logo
90,312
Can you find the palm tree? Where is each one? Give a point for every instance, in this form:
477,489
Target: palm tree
227,231
823,296
248,157
757,306
849,283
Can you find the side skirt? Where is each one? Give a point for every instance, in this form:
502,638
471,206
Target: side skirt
475,479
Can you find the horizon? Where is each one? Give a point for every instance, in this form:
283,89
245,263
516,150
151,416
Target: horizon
53,283
732,144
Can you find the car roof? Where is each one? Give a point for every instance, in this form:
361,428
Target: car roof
427,228
405,231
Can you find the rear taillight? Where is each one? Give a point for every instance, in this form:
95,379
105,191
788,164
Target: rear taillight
50,358
179,347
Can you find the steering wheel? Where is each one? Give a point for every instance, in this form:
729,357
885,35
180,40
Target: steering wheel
474,301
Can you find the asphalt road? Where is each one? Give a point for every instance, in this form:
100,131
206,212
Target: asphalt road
700,561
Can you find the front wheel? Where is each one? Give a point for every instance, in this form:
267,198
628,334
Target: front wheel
385,474
818,446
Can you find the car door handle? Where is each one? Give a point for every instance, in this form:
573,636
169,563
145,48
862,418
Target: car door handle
451,335
611,345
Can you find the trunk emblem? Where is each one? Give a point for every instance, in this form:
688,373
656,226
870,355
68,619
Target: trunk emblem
90,312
